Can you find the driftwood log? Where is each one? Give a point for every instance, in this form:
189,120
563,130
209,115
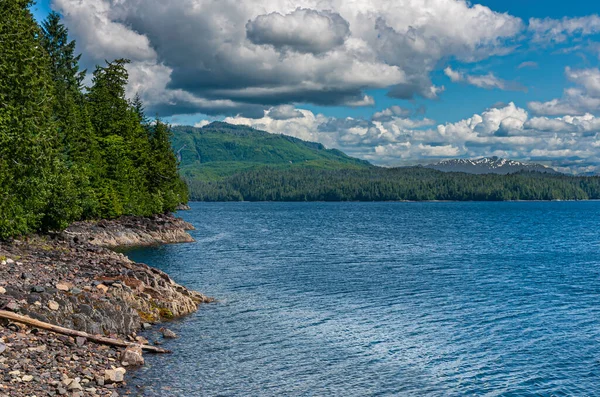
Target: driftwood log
71,332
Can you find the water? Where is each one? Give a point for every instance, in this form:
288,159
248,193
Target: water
385,299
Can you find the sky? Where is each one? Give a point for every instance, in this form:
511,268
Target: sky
395,82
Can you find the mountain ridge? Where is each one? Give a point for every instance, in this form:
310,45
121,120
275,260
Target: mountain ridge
221,149
489,165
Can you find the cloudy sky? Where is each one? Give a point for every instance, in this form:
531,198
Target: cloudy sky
396,82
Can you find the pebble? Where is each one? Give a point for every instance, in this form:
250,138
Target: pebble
52,305
2,290
63,286
27,378
114,375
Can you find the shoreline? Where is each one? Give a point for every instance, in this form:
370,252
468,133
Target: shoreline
75,280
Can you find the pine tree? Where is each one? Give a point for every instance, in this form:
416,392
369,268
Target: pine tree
27,132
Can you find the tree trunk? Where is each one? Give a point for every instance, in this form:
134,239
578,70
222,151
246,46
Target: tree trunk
71,332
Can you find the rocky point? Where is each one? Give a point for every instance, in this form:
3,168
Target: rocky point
73,280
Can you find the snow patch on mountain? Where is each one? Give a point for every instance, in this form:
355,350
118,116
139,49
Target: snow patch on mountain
489,165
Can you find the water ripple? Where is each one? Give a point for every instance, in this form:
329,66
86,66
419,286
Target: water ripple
385,299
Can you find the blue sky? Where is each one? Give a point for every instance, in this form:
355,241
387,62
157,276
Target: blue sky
393,82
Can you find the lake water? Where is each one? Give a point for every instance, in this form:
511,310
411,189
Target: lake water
384,299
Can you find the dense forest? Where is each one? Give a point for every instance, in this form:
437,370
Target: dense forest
69,152
388,184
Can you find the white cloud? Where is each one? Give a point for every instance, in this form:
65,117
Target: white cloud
559,30
488,81
570,143
528,65
583,98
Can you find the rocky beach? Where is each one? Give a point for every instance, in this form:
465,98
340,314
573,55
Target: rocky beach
74,280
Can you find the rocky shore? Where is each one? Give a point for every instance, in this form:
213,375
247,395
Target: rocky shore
74,281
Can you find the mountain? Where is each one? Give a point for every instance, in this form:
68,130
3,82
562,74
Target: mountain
220,149
222,162
489,165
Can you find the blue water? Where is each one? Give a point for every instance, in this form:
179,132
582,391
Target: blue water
385,299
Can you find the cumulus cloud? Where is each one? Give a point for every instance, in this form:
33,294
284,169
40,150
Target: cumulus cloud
303,30
569,143
578,100
391,112
488,81
263,54
285,112
550,30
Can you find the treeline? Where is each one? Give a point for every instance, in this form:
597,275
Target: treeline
391,184
69,152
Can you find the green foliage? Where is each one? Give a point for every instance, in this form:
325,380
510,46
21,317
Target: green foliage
65,155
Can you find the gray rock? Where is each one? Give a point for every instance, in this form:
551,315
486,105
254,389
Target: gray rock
80,340
114,375
2,347
132,355
167,333
38,288
75,385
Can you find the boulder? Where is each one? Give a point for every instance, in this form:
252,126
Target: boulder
132,355
167,333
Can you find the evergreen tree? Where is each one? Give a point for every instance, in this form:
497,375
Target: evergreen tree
27,132
164,181
65,155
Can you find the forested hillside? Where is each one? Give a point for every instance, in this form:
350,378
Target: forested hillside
220,149
68,152
392,184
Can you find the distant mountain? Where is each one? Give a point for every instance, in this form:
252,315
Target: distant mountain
223,162
220,149
489,165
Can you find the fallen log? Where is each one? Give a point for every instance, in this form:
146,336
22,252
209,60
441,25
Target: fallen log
71,332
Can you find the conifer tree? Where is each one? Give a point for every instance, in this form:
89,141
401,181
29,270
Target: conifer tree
27,133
